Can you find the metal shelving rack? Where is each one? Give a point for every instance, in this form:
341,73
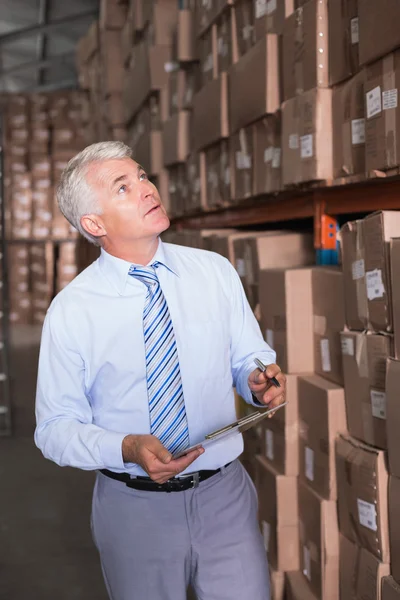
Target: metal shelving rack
5,401
322,204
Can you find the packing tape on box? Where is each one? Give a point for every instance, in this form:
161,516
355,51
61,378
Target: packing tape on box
361,355
389,109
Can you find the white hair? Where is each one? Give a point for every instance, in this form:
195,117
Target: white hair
75,197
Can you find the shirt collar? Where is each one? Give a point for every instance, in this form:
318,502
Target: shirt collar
116,269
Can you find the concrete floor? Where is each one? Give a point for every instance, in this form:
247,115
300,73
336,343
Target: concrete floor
46,550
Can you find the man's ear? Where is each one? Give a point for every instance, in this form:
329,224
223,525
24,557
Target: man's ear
94,225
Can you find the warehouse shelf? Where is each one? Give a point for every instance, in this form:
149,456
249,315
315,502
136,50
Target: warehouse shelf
354,198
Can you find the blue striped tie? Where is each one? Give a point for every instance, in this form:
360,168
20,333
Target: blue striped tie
168,420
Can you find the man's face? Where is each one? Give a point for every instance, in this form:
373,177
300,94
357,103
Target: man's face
131,206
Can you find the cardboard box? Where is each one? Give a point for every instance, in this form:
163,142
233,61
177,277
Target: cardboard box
208,56
394,531
343,40
176,90
162,19
196,183
210,113
382,113
393,415
370,575
207,13
148,67
353,267
319,543
349,555
379,228
297,587
348,121
177,190
280,435
362,481
274,249
277,584
267,155
270,16
262,88
322,415
184,42
287,317
305,49
243,27
241,146
224,42
113,72
277,508
390,589
361,573
378,32
364,366
215,164
88,45
395,284
113,14
223,243
176,140
307,137
192,86
328,322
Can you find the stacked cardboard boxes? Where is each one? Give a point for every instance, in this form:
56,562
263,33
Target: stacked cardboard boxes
43,132
369,376
301,317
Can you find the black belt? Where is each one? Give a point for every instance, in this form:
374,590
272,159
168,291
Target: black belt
172,485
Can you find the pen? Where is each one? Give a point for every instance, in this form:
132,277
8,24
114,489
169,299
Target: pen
263,368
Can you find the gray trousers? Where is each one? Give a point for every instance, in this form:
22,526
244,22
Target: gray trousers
152,545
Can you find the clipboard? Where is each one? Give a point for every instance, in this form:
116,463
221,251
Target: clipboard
230,430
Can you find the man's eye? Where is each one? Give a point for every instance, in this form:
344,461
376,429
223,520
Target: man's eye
122,189
142,176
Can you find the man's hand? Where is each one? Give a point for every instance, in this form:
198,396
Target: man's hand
264,390
148,452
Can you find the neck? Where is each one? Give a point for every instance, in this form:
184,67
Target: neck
138,253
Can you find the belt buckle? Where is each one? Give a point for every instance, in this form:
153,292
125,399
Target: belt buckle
196,479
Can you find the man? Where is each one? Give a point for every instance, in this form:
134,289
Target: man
138,360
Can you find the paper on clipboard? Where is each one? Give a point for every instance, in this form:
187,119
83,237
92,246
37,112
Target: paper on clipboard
230,430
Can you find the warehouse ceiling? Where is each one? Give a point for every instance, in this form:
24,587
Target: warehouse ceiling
38,40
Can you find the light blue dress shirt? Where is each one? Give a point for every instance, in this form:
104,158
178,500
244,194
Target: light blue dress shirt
92,388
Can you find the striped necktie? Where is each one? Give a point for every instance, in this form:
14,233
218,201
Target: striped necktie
168,420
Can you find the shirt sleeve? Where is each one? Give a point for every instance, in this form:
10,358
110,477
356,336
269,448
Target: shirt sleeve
247,342
65,433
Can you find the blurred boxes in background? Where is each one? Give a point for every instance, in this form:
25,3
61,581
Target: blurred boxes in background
348,123
305,49
319,543
277,498
280,435
321,416
328,322
343,40
307,137
382,113
287,317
